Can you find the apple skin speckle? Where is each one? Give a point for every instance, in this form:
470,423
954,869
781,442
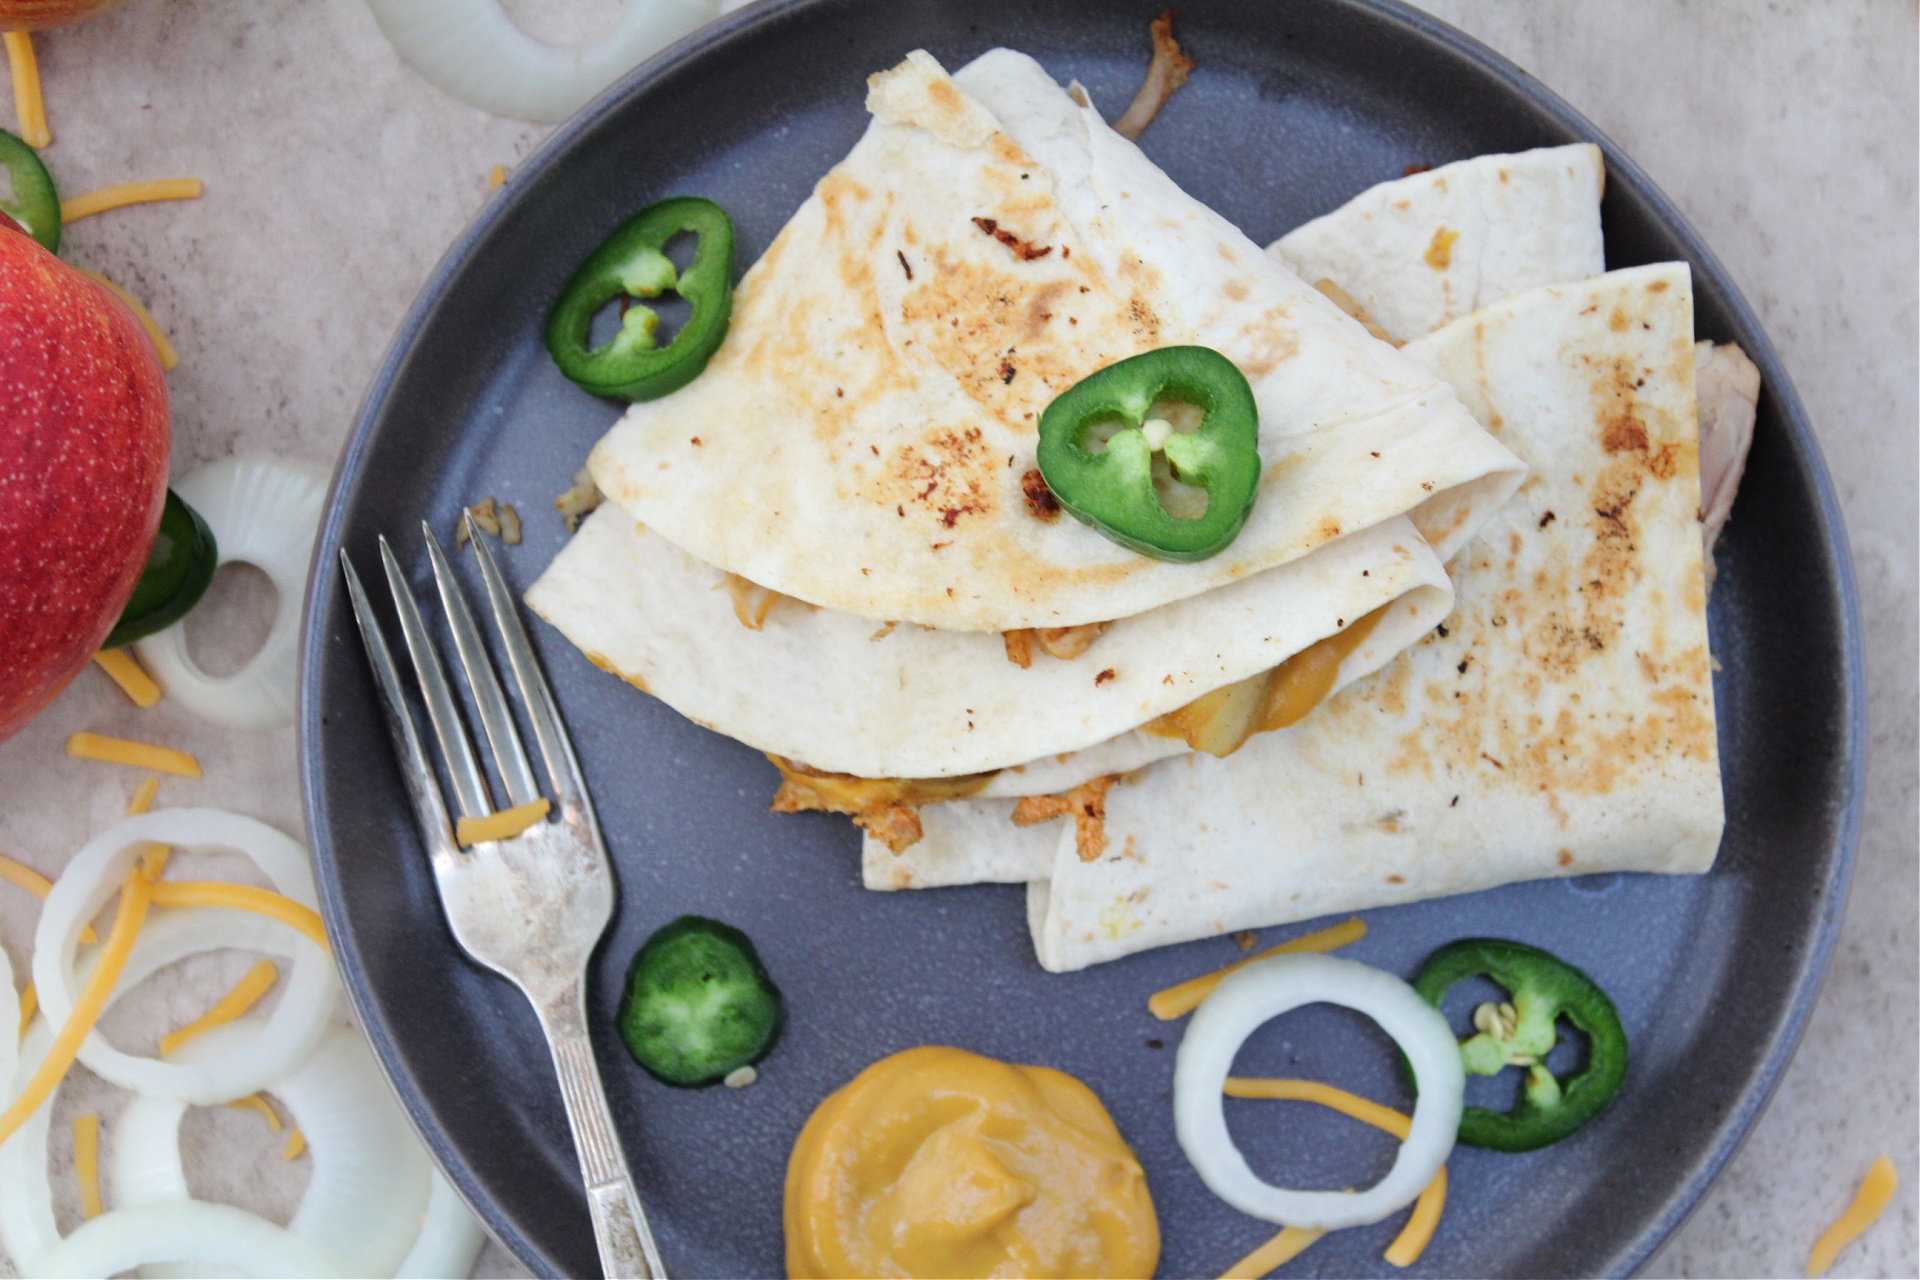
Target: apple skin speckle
84,442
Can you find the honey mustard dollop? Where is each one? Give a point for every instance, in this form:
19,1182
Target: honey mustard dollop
940,1162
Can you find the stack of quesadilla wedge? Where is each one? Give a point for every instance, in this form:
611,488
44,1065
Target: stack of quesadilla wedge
1560,722
832,546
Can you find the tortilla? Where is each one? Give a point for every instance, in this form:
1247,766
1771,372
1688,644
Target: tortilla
1424,250
1563,724
844,694
971,842
860,440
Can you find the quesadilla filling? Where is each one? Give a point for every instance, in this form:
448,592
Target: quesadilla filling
1086,804
1219,723
885,808
1064,643
753,602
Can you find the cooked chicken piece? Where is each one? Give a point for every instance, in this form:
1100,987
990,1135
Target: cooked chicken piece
1019,647
886,807
1064,643
897,826
1166,73
1086,803
1068,643
753,602
1727,390
576,502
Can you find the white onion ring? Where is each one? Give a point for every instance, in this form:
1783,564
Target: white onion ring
369,1193
472,50
450,1238
9,1019
27,1227
219,1234
263,512
288,1036
1266,989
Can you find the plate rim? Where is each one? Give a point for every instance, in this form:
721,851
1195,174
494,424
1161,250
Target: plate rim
322,587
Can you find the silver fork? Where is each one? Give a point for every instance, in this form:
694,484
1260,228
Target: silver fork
532,907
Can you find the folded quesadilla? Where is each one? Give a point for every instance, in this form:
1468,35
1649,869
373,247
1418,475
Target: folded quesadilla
950,638
1421,251
851,695
862,440
1561,722
1535,217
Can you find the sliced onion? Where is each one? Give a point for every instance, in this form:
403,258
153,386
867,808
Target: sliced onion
217,1234
472,50
285,1039
1267,989
369,1194
9,1020
143,1153
450,1238
263,512
27,1227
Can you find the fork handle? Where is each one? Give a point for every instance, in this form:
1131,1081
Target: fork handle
627,1249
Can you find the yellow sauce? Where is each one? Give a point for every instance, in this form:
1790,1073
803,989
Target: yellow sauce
940,1162
1221,721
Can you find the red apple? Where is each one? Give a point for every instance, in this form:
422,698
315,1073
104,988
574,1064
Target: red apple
84,440
36,15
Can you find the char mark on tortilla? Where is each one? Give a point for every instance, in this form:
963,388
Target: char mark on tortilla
1026,250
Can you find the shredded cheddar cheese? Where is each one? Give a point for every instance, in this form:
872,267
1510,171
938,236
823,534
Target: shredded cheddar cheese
143,796
496,177
34,883
1274,1254
26,877
88,203
29,108
141,755
1347,1104
153,859
1183,998
168,359
503,825
245,994
1413,1238
129,674
241,897
296,1141
86,1163
1876,1192
258,1102
1439,254
29,1005
135,896
1418,1233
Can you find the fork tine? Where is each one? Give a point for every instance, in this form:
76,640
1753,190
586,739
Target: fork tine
508,755
469,784
548,729
429,806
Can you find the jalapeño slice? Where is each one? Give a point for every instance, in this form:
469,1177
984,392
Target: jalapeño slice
699,1004
632,262
1522,1032
179,568
1102,450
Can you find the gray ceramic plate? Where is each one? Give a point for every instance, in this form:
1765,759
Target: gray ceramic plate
1294,108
